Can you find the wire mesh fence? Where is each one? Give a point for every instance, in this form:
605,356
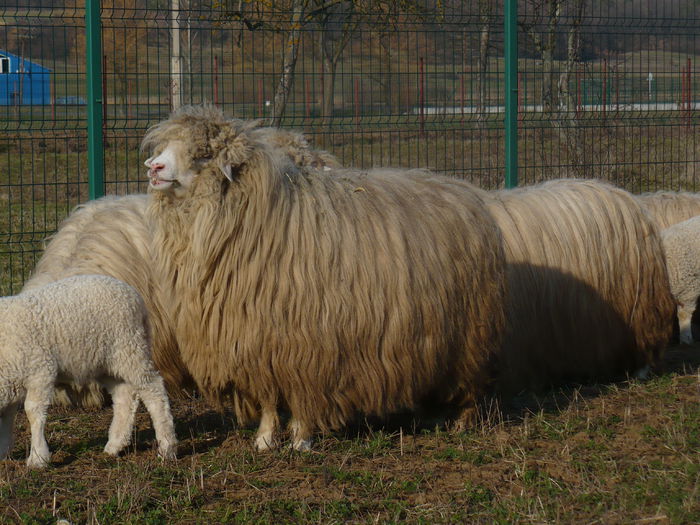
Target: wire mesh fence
606,89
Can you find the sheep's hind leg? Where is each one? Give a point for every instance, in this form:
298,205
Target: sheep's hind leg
124,403
155,398
467,418
269,425
7,428
36,406
301,435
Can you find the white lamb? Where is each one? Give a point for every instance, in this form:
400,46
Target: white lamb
87,327
682,246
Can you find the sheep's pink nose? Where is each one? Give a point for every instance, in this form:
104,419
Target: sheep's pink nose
155,167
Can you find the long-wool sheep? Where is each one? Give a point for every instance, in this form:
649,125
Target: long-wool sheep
83,328
328,295
682,244
110,236
670,207
589,297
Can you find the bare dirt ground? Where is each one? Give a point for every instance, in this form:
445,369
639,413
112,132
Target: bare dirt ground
622,453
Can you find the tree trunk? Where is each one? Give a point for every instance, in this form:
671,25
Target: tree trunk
573,45
566,122
328,102
336,28
290,61
485,12
387,76
547,48
175,57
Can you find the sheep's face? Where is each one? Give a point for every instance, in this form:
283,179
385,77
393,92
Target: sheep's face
170,168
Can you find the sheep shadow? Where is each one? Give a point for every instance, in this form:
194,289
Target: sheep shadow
588,347
567,344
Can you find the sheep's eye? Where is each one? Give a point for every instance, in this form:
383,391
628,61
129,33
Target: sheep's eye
201,161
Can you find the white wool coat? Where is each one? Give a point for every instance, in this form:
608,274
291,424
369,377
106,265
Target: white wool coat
682,246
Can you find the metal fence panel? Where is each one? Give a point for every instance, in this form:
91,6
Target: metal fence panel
605,89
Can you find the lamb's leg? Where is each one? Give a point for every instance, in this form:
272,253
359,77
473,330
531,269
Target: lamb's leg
155,398
36,406
269,425
301,435
124,403
7,429
685,316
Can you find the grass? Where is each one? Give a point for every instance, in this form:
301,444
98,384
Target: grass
616,453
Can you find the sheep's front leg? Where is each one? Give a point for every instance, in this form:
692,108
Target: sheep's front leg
685,316
36,406
269,426
301,435
124,403
7,428
155,398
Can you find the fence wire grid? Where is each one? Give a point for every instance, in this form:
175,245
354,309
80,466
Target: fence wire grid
606,89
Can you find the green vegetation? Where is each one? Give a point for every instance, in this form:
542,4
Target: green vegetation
610,453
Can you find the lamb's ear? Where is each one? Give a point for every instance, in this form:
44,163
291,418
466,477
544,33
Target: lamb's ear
233,153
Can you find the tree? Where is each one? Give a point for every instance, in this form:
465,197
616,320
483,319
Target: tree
337,23
485,21
383,18
566,122
573,50
291,54
283,16
541,27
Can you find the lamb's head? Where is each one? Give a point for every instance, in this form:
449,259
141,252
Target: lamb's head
191,139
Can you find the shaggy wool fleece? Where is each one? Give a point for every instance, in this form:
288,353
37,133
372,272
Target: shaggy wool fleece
589,296
670,207
327,294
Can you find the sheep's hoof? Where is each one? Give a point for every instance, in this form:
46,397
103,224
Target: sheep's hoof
265,443
642,374
168,453
38,462
302,445
112,449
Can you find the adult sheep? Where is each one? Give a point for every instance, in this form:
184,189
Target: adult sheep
589,297
110,236
327,295
670,207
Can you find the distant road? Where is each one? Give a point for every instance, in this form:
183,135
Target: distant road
538,108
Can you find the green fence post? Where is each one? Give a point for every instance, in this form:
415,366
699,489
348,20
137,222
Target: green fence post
511,95
93,44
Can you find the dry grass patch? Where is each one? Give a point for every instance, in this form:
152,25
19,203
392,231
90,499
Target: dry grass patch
621,453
